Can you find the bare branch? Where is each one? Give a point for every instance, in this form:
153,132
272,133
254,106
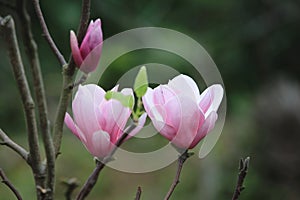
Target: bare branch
181,160
32,54
46,33
14,146
9,185
90,183
8,27
243,170
138,193
68,72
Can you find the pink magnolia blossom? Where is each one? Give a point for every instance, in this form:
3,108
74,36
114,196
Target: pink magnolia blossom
180,113
98,122
87,56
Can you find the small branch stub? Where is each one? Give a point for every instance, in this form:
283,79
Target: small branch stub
243,170
138,193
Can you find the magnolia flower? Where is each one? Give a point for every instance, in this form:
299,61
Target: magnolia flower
98,122
87,56
180,113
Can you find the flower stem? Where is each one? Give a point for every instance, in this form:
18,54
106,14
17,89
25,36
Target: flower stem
181,160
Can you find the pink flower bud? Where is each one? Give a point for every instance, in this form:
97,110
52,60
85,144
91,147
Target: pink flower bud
98,122
87,56
180,113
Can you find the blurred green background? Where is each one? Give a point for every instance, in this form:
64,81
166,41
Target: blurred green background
255,45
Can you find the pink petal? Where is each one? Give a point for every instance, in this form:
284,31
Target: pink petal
71,125
211,98
100,145
97,92
162,94
184,85
74,129
96,37
85,111
207,126
188,121
127,91
85,48
158,118
164,129
91,60
75,49
148,101
114,117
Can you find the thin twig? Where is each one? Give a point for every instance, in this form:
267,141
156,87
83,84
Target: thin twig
46,33
91,181
71,184
32,54
8,26
14,146
68,73
243,169
181,160
138,193
7,182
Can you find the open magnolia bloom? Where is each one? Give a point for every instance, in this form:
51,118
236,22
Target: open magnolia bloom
180,113
98,122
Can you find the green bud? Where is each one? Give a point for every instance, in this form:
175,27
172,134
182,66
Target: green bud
141,82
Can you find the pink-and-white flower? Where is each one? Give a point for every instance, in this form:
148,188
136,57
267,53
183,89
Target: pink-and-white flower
87,56
180,113
98,122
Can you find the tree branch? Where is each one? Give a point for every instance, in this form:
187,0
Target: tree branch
46,33
181,160
6,181
32,54
91,181
8,26
71,184
68,72
14,146
138,193
243,169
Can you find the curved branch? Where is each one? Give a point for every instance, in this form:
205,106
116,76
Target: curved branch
9,185
46,33
14,146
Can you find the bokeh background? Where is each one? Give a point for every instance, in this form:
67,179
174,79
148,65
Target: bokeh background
255,45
